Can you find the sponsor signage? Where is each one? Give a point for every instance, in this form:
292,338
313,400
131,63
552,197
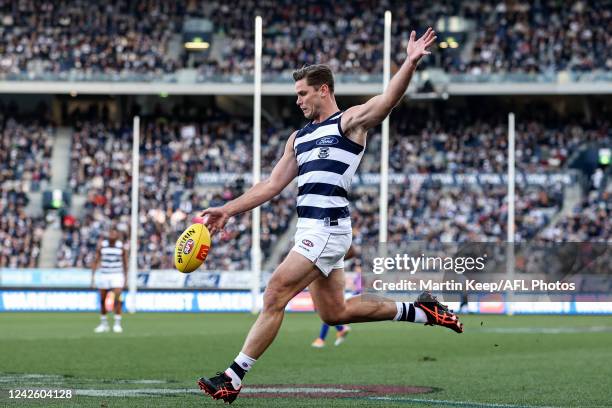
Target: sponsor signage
150,301
156,279
327,141
185,245
449,179
34,277
236,301
202,252
161,279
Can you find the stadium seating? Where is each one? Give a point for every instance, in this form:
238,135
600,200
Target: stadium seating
481,146
82,39
525,42
591,220
175,153
533,38
25,153
454,214
542,37
172,154
125,40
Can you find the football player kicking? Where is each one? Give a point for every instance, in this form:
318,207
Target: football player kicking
324,156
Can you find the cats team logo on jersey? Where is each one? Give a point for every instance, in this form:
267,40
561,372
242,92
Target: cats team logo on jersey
323,152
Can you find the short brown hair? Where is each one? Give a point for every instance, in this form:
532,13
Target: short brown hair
316,75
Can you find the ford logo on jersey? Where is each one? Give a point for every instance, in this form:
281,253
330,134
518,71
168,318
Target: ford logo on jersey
327,141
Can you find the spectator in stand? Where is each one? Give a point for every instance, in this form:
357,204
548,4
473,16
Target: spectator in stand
170,190
591,221
134,40
25,153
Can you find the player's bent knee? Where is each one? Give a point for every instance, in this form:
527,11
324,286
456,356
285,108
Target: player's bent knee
330,321
333,318
274,300
334,321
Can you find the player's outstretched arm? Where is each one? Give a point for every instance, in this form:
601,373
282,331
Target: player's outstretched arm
374,111
282,174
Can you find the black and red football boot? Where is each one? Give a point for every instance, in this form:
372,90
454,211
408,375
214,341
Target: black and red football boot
219,387
437,313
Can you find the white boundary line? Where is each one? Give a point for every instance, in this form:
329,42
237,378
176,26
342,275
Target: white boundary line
453,403
144,392
544,330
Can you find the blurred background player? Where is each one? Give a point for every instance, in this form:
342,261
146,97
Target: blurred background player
343,329
463,307
111,259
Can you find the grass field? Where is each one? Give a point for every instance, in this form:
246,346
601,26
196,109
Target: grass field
499,361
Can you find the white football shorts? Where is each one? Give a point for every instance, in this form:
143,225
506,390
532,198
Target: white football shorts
109,280
326,250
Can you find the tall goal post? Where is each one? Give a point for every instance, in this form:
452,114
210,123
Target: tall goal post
133,264
510,262
256,238
384,150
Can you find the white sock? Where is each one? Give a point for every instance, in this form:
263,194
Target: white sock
245,361
400,307
403,313
241,365
117,319
419,315
103,319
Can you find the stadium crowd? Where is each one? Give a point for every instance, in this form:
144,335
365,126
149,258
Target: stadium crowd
479,146
540,37
20,234
71,38
172,155
84,38
184,167
469,213
175,155
25,153
591,220
517,37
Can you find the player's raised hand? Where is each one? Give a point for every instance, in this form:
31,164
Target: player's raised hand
417,48
214,218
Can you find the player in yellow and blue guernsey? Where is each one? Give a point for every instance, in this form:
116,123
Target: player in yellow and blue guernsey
324,156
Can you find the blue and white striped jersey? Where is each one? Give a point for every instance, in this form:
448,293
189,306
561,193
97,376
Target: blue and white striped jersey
111,257
327,161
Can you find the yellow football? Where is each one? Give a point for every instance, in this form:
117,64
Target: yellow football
192,248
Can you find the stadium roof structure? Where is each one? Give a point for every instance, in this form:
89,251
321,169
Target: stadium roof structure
185,82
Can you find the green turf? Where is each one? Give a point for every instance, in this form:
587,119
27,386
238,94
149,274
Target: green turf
532,366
